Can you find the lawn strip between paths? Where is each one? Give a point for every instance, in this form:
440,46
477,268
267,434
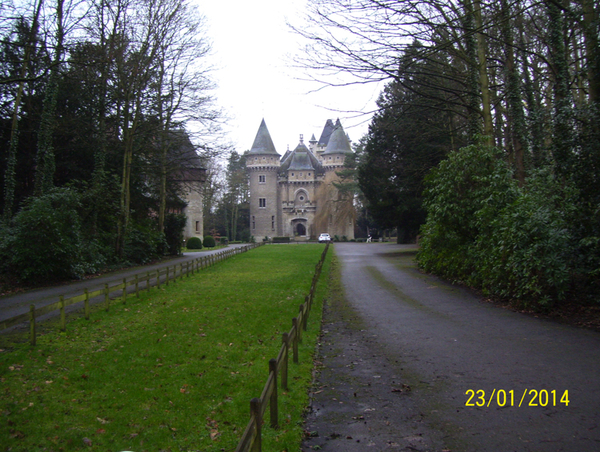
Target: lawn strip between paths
173,370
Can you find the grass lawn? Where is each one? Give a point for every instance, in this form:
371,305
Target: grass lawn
171,371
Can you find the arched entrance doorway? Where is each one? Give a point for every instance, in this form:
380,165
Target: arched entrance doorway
300,229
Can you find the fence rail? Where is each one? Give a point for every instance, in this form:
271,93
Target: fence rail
160,276
251,440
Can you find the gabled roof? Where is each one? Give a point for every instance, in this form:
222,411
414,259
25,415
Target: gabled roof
263,144
301,159
338,142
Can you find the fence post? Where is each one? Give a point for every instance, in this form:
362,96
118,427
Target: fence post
32,337
255,411
124,290
137,286
167,277
295,339
148,281
158,278
273,401
106,296
307,304
86,304
285,339
63,320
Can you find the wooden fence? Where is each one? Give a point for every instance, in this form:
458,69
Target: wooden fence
278,369
160,276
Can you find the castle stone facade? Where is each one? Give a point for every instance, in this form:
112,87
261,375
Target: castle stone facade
294,195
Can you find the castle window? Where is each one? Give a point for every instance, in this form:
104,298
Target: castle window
253,223
262,178
273,222
292,174
308,174
197,226
262,202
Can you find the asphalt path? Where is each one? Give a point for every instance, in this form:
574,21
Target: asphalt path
404,357
16,304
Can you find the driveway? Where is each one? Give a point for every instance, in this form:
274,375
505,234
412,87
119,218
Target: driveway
13,305
410,363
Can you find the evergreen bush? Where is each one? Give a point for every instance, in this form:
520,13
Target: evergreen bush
194,243
143,243
44,243
174,226
462,196
528,251
209,241
481,229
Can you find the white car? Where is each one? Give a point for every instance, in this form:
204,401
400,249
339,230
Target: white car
324,238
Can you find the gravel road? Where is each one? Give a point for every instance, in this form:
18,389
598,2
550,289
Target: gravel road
403,355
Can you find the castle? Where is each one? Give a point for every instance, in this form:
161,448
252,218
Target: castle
296,195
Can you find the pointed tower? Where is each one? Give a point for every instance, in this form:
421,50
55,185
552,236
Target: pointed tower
339,211
338,146
262,165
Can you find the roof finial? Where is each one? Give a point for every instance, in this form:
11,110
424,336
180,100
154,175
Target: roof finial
302,138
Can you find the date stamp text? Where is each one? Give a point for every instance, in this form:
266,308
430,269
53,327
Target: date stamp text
529,397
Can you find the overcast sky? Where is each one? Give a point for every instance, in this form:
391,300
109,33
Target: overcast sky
253,49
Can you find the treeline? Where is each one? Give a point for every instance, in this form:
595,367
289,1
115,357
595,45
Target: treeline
226,200
502,100
97,102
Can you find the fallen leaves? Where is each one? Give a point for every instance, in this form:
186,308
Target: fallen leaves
213,426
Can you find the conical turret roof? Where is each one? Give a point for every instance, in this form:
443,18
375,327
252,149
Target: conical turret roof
263,144
327,131
338,142
301,159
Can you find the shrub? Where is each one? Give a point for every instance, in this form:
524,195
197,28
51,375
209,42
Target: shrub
143,243
174,226
481,229
223,240
209,241
245,235
528,251
44,240
462,197
194,243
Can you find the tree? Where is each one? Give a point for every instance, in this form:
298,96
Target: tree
10,172
409,135
46,165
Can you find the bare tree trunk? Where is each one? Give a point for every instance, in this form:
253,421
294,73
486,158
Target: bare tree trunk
46,164
10,173
488,126
516,116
